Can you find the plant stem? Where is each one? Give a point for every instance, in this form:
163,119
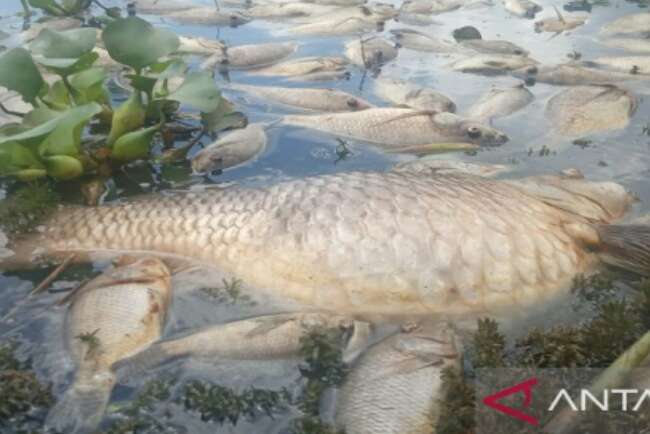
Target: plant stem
28,11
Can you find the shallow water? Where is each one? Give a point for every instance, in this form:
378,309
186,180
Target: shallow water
621,156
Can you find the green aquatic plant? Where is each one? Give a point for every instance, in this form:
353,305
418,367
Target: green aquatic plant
221,404
457,412
489,345
26,207
21,393
54,138
231,292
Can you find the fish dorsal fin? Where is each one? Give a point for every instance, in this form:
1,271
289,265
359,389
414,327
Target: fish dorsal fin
559,15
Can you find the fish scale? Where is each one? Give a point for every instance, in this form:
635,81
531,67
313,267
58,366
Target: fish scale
356,239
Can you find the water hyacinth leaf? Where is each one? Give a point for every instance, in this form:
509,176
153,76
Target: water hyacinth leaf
75,6
128,117
199,91
135,145
134,42
169,68
15,157
67,44
65,138
68,66
88,86
39,116
142,83
19,73
57,96
48,6
63,167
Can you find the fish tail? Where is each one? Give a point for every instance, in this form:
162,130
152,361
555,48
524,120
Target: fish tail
134,366
626,246
82,406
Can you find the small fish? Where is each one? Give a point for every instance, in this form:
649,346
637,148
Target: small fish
396,385
286,10
304,66
329,100
419,41
262,338
522,8
559,24
570,75
500,102
632,24
492,64
582,110
414,19
635,45
403,93
372,52
339,27
323,76
232,150
372,12
251,56
494,47
209,16
200,46
430,6
399,127
112,317
625,64
428,165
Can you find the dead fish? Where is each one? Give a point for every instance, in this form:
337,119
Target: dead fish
112,317
371,52
403,93
323,76
339,27
500,102
262,338
232,150
374,242
337,2
372,11
286,10
570,75
399,127
251,56
582,110
428,165
304,66
559,24
416,19
494,47
625,64
161,7
522,8
636,45
329,100
430,6
397,384
414,40
492,64
209,16
628,24
200,46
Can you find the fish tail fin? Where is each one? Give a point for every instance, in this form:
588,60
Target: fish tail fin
626,246
82,406
134,366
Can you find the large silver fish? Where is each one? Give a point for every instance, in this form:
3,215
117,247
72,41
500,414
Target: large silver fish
571,75
396,386
394,128
262,338
404,93
381,243
209,16
112,317
370,52
500,102
251,56
414,40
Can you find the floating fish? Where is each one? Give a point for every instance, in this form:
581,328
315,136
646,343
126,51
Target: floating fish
112,317
522,8
628,25
304,66
209,16
492,64
415,40
570,75
500,102
494,47
559,24
403,93
371,52
198,45
251,56
626,64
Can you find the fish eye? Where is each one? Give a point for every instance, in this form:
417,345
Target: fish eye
474,132
353,103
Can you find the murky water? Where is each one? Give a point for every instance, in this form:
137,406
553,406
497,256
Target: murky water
621,156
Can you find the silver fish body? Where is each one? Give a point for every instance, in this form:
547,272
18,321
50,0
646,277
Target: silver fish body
571,75
414,40
370,242
114,316
558,25
370,52
339,27
500,102
522,8
401,92
328,100
304,66
262,338
209,16
232,150
430,6
581,110
251,56
625,64
494,47
287,10
492,64
638,23
200,46
392,128
396,385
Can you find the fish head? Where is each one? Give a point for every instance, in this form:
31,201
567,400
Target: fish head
481,134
